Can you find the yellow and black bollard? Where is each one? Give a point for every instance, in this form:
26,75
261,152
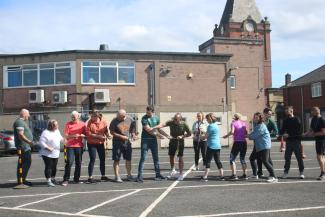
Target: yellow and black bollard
20,172
65,153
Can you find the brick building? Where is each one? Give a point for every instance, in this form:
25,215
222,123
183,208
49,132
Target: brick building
306,92
229,74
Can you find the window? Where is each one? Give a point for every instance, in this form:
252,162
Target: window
39,74
316,89
232,81
108,72
15,76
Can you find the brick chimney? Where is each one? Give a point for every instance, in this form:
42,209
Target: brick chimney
287,79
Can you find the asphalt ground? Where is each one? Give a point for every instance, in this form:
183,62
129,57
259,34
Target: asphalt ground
191,197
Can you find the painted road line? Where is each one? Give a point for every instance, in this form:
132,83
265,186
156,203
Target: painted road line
40,201
107,202
164,194
260,212
164,188
50,212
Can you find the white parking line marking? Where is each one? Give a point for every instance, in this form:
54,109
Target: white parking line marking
40,201
107,202
50,212
164,194
163,188
260,212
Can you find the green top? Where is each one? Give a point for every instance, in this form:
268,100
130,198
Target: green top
178,129
151,122
19,125
272,128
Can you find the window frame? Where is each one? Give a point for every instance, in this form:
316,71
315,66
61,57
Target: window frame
38,68
116,65
232,77
316,86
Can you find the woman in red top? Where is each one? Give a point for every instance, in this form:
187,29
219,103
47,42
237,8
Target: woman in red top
96,132
74,133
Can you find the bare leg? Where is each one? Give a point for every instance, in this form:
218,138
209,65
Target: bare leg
172,161
181,164
116,168
128,167
233,168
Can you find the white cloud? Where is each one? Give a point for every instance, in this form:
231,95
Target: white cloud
161,25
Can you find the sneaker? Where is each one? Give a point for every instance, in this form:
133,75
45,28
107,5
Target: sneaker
160,178
172,173
27,183
260,176
77,182
321,177
243,177
130,178
54,181
233,177
301,175
180,177
65,183
140,179
104,179
91,181
253,177
285,175
118,179
204,179
272,180
222,178
50,184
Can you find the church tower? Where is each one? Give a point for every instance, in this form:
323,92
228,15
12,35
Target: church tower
243,32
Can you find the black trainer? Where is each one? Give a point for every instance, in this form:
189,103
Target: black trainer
91,181
104,179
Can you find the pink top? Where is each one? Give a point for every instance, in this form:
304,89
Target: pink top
240,130
75,128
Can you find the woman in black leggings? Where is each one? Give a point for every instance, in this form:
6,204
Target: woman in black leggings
262,141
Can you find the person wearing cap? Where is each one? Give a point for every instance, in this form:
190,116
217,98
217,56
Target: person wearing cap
199,128
74,133
239,132
96,132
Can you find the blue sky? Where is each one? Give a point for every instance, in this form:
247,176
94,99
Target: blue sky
298,32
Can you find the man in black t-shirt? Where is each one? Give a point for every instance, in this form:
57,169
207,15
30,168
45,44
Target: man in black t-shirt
292,133
317,130
123,129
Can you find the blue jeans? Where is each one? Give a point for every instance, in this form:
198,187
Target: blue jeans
146,144
73,154
92,155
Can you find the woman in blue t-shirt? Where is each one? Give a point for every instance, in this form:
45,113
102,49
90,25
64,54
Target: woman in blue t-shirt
262,140
214,146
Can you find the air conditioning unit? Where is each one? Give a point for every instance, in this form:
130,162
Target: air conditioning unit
59,97
101,96
36,96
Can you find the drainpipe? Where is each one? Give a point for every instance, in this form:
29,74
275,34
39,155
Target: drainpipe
302,109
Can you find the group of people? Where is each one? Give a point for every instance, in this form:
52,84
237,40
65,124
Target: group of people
206,139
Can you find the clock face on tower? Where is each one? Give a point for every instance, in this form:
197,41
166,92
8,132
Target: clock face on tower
249,27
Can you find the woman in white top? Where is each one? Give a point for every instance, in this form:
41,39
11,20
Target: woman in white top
199,129
50,141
